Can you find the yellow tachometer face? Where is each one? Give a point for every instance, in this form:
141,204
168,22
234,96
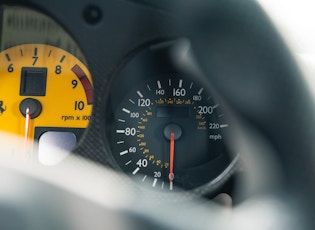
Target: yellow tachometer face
43,89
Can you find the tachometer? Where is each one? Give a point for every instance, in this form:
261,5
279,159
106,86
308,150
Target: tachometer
46,94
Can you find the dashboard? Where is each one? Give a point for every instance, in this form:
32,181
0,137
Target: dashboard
181,101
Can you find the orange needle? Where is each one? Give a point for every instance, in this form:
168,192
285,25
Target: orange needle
27,127
171,175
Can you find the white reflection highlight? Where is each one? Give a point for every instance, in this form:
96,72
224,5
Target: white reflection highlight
295,21
65,141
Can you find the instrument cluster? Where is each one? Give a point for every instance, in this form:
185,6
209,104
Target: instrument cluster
130,103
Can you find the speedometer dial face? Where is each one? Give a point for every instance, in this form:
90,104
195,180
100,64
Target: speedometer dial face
45,93
169,132
165,129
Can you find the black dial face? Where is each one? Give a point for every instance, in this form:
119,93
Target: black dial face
165,130
169,132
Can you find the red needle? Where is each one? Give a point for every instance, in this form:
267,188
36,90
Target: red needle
171,175
27,127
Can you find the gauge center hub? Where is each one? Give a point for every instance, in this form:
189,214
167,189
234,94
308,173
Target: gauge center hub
34,106
172,128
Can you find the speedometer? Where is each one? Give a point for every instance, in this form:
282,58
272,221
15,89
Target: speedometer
166,130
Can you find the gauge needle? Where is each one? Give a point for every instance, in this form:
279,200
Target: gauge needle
27,127
171,175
